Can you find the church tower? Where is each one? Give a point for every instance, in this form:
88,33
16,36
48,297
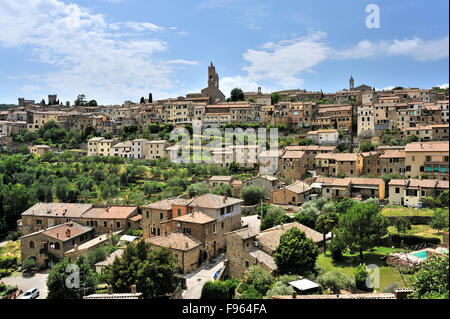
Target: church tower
352,83
213,77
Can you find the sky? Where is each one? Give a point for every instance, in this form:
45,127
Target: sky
118,50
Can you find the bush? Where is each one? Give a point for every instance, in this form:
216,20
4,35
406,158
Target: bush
29,264
13,236
335,280
251,293
336,247
258,278
215,290
361,274
411,240
252,195
8,262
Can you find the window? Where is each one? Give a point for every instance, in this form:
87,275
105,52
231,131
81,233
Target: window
397,190
186,230
147,214
179,211
118,224
105,224
39,221
161,215
223,225
246,264
428,159
214,228
31,244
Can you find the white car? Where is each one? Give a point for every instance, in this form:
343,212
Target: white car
30,294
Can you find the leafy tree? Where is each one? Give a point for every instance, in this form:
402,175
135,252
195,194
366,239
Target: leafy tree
362,227
29,264
296,253
411,138
274,216
275,98
282,287
439,219
361,275
56,281
92,103
431,281
215,290
306,219
223,189
81,100
335,280
325,223
443,198
251,293
253,194
260,279
366,147
402,224
153,272
197,189
336,247
237,95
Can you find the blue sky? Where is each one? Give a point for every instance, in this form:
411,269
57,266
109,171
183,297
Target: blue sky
116,50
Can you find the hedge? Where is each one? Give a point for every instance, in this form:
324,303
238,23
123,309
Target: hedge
410,240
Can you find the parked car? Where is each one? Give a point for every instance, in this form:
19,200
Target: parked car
30,294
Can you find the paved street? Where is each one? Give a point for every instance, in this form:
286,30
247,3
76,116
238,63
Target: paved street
37,281
253,222
196,279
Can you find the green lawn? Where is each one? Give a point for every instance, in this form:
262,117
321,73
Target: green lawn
388,274
420,230
400,211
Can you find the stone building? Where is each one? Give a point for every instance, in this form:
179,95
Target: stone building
246,248
427,158
392,161
40,149
334,164
268,182
212,91
102,218
412,192
49,245
368,163
295,194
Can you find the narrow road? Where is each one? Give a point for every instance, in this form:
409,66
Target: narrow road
37,281
196,279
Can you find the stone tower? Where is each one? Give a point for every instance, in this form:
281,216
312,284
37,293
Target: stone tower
352,83
213,77
212,91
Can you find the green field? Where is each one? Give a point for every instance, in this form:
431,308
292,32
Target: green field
388,274
400,211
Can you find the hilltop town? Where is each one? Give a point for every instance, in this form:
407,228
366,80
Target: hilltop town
357,177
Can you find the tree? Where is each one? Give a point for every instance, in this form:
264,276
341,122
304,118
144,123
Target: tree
197,189
362,227
325,223
81,100
56,281
296,253
335,280
443,198
260,279
282,287
402,224
92,103
439,219
366,147
273,216
275,98
142,101
253,194
237,95
215,290
223,189
361,275
431,281
153,272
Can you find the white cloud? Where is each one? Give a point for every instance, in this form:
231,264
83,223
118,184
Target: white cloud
89,54
281,64
231,82
182,61
387,88
443,86
415,48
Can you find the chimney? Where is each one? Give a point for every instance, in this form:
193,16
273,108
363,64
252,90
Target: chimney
75,247
133,289
187,245
110,290
68,232
224,198
57,235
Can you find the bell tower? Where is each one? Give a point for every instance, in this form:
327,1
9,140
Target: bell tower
213,77
352,83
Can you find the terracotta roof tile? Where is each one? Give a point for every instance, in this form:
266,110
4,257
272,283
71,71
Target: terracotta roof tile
175,240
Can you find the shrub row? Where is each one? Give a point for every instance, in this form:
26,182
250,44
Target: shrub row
410,240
